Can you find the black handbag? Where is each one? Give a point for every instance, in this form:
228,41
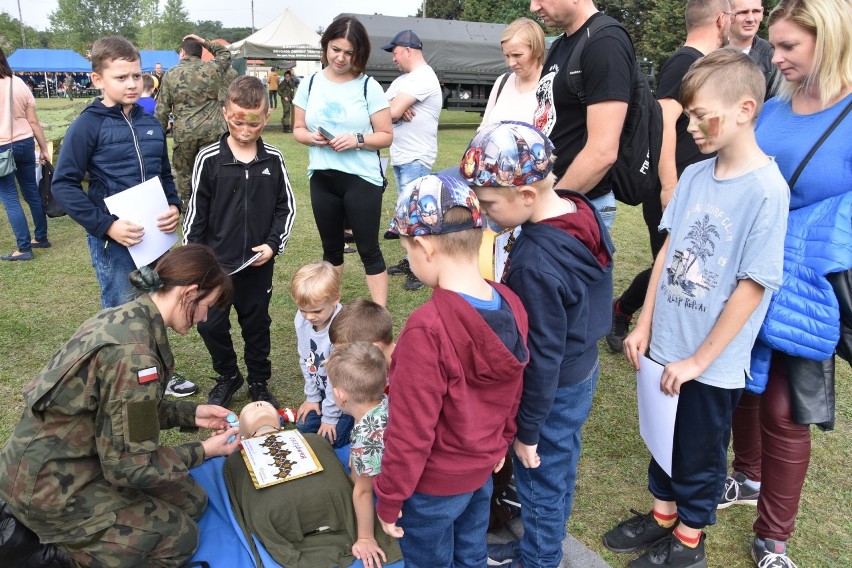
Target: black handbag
52,208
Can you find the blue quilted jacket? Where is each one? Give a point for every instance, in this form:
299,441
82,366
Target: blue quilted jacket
804,318
117,152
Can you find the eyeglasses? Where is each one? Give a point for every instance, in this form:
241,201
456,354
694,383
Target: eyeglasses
756,12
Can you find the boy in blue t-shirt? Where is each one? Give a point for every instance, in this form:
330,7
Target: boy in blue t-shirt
709,292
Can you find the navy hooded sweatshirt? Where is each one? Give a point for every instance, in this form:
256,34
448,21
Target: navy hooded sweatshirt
567,292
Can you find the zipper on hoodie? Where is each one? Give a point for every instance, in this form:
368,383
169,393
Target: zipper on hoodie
245,209
135,145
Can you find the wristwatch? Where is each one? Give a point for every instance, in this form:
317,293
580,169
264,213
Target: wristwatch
360,138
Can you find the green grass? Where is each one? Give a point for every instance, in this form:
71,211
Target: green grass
43,301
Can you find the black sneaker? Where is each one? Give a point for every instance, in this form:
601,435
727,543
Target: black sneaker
504,554
670,551
509,499
225,389
620,327
258,391
390,235
770,553
412,282
737,492
400,268
635,533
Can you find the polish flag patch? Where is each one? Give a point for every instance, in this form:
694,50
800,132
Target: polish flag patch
148,375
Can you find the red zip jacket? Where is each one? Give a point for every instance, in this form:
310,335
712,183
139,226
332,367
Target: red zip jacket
454,396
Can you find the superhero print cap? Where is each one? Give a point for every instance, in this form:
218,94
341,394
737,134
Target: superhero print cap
423,203
507,154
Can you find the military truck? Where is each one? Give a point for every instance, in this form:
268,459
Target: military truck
466,56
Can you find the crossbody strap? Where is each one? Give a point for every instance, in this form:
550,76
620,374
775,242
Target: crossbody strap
11,116
819,142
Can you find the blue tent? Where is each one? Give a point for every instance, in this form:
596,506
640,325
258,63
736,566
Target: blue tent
49,60
149,58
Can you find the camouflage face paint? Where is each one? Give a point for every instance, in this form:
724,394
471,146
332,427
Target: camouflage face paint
711,127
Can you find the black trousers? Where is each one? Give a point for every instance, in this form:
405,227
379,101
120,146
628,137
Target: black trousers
633,298
252,293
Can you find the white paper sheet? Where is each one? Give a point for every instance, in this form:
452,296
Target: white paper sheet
657,412
141,204
246,263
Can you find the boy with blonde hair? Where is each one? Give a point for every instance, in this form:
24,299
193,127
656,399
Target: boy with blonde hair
315,289
456,378
561,268
709,292
359,373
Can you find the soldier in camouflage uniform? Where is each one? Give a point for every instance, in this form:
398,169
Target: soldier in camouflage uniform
84,468
286,90
190,91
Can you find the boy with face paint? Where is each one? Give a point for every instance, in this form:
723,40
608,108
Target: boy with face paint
710,290
242,206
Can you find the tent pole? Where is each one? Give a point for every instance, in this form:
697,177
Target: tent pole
46,85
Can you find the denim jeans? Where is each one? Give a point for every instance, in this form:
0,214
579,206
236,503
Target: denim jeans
446,531
343,431
407,173
24,152
113,264
547,492
606,206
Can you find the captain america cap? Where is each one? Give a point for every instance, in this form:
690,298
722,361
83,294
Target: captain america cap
507,154
424,202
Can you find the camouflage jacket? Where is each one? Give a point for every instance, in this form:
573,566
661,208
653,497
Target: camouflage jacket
190,91
88,439
286,90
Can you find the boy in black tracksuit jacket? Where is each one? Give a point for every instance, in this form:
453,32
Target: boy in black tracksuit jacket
242,205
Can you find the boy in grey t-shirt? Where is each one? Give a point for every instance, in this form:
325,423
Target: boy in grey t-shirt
709,291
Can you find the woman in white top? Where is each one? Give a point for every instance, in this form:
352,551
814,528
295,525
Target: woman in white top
17,132
513,95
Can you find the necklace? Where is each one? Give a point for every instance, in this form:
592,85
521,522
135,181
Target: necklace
753,158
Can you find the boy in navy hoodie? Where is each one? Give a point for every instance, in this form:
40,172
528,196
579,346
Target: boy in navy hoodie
119,145
456,380
561,268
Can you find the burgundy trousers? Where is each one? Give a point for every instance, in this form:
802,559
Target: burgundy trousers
771,448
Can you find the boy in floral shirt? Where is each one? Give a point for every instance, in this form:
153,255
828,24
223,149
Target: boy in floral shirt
358,374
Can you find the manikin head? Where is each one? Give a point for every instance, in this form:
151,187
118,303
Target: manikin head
258,418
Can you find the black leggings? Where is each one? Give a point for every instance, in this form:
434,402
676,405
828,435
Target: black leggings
337,195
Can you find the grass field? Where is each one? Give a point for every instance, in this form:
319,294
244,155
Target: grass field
43,301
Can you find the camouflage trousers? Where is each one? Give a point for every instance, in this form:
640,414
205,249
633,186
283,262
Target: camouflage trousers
160,528
286,116
183,160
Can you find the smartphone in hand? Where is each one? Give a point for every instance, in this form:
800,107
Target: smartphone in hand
325,133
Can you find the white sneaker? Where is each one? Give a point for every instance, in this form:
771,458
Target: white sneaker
180,386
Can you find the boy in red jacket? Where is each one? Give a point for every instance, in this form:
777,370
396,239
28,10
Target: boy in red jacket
456,376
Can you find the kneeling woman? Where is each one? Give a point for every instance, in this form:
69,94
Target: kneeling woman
84,468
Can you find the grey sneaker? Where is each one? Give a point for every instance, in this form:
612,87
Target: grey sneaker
770,553
402,267
180,386
636,533
737,492
504,554
620,328
412,282
225,389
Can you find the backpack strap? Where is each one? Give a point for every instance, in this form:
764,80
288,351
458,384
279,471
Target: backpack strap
378,153
575,73
502,84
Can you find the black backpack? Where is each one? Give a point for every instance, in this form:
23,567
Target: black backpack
634,174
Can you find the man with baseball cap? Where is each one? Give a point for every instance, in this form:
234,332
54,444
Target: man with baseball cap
415,105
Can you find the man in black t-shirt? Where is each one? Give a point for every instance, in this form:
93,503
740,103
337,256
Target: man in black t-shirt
585,136
707,25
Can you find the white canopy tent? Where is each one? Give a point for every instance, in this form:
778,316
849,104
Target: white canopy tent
286,37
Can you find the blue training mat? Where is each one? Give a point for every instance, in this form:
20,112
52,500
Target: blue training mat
221,541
